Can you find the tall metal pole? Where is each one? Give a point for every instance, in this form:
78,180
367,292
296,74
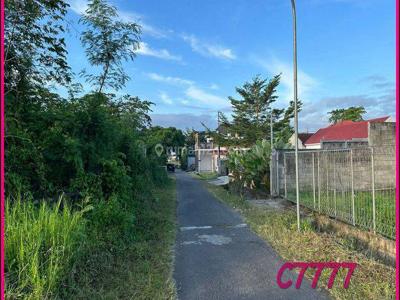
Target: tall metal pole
296,125
219,147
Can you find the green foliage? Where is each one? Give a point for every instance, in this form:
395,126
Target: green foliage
75,145
251,168
108,42
353,113
88,148
170,138
41,247
35,53
85,149
111,224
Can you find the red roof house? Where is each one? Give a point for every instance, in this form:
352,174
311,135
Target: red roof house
342,132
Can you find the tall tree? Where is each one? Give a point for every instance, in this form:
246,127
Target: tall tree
353,113
252,116
108,42
35,51
251,113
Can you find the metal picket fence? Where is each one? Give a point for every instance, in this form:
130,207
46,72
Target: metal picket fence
356,186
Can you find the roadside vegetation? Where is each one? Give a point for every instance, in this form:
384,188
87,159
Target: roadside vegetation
371,280
55,252
90,211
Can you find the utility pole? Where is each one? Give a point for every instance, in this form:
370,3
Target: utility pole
296,121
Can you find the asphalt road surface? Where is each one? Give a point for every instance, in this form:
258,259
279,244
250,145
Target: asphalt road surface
219,257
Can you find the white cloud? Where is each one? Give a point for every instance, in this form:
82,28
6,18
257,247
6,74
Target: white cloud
205,97
165,98
315,114
305,84
146,28
169,79
192,91
145,49
214,86
80,6
207,49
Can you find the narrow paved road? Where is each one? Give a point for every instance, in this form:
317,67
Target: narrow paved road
218,257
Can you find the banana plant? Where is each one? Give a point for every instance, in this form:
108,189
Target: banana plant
251,168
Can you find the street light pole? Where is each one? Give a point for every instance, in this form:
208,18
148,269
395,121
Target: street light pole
219,146
296,121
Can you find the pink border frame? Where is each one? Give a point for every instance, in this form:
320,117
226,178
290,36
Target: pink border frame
397,156
2,282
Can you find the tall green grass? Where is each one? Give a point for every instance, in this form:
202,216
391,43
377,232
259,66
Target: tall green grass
41,242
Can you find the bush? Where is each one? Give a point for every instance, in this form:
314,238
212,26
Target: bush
251,168
41,246
110,223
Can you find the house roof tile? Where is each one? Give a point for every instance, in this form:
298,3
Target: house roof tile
343,131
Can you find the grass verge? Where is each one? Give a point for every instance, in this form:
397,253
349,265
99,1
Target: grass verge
339,205
141,268
371,280
54,252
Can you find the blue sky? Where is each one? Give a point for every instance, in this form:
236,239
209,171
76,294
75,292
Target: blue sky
194,53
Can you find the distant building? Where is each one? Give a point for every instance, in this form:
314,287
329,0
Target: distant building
349,134
302,137
211,158
206,156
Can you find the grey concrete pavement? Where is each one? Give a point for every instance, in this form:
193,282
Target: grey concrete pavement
219,257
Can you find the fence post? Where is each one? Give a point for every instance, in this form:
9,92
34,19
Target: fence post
353,211
285,172
319,184
327,160
313,177
277,174
373,190
334,182
271,159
